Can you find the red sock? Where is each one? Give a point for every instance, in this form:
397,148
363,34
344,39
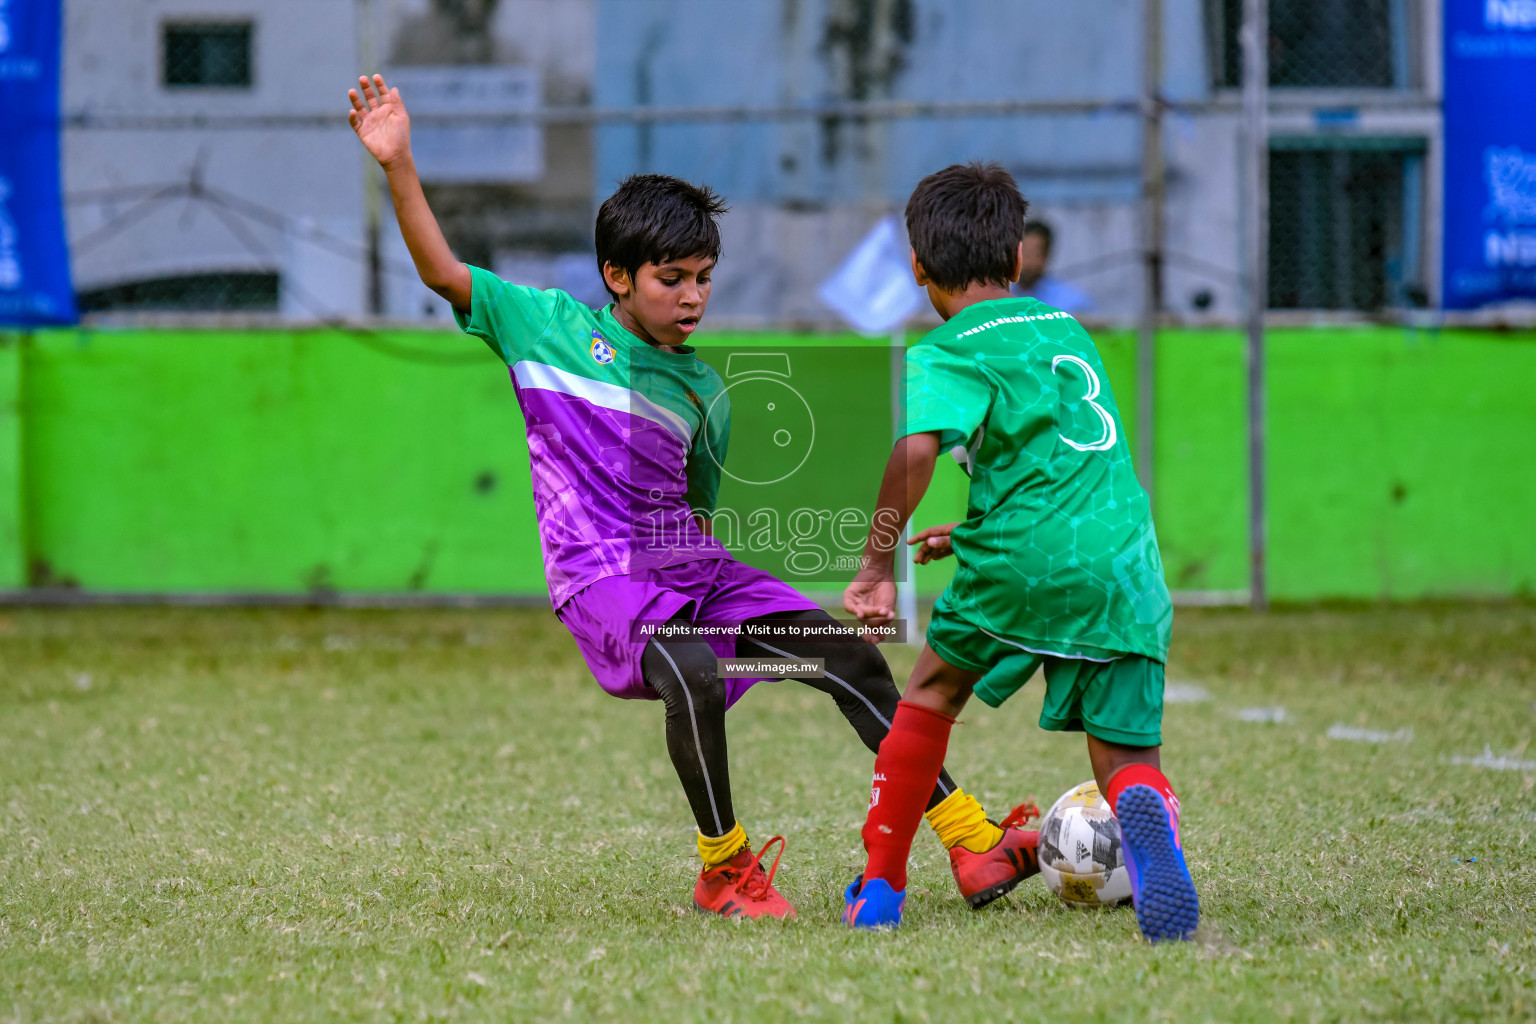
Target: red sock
1145,775
906,770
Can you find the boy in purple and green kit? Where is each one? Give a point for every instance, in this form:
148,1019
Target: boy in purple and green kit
627,431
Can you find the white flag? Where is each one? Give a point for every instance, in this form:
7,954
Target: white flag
873,289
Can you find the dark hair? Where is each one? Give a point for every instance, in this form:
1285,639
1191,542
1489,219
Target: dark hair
1041,228
965,223
653,218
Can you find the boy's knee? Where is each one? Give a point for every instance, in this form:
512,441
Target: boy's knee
707,694
862,665
680,675
940,686
943,692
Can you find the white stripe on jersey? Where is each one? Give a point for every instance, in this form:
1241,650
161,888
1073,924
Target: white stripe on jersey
544,377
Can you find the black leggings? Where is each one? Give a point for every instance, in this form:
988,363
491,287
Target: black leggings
683,673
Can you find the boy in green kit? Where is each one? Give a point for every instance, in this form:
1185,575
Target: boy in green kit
1058,560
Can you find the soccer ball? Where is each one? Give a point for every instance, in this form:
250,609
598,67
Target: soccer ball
1080,854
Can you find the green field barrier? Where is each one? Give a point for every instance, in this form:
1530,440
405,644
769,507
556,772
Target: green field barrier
13,568
316,460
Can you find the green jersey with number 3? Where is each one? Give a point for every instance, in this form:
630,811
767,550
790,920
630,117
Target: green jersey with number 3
1057,554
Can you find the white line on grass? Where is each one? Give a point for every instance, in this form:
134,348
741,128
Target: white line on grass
1185,693
1498,762
1262,714
1340,731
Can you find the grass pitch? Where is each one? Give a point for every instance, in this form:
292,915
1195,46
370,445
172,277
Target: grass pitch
288,815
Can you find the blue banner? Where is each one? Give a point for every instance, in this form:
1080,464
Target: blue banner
1490,152
34,257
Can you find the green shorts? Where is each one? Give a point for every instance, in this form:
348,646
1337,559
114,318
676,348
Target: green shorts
1119,701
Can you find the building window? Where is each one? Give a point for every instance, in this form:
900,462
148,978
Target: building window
212,54
1345,224
240,292
1320,44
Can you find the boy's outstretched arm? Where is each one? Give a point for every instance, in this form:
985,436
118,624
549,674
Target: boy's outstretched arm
933,543
872,594
382,125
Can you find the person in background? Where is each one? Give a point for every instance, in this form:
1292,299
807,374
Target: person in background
1037,284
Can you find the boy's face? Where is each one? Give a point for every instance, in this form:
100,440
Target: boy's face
666,301
1036,254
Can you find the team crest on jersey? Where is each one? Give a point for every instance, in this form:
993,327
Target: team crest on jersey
602,352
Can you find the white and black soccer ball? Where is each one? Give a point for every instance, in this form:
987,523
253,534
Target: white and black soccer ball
1080,854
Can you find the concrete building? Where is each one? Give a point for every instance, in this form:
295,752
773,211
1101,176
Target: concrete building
1356,136
158,215
208,166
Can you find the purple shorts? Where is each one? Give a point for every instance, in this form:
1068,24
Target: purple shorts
600,616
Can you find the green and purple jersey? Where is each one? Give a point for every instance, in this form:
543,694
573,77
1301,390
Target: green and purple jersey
625,441
1057,554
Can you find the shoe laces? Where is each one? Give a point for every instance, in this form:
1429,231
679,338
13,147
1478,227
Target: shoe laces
754,882
1020,815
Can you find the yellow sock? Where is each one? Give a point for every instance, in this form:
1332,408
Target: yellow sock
714,852
960,821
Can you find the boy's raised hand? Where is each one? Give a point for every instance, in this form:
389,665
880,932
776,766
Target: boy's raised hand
933,544
379,118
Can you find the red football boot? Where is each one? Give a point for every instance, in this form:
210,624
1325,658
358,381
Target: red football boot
741,888
983,877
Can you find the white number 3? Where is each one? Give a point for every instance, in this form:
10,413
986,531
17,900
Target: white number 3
1106,442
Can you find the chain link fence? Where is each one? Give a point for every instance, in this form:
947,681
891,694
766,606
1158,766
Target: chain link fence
204,203
1347,210
213,54
1323,44
1340,235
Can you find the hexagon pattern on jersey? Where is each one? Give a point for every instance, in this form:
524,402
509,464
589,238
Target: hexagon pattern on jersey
1057,551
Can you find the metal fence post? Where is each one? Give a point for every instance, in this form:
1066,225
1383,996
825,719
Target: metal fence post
1256,264
1152,179
373,184
906,590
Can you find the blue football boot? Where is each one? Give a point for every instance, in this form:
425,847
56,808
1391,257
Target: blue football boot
1167,906
872,904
